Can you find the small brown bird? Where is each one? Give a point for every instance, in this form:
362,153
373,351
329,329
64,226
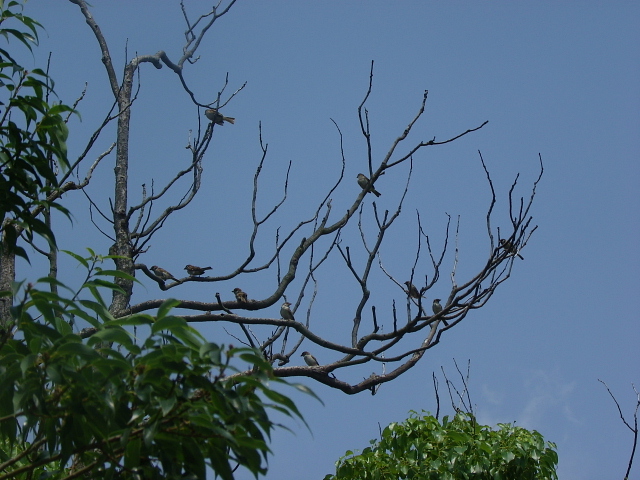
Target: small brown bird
412,290
364,183
310,359
192,270
240,295
217,118
285,311
437,308
162,273
508,246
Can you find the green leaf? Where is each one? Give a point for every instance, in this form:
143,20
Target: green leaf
132,453
132,320
167,306
167,404
114,334
101,310
116,273
78,258
79,349
168,323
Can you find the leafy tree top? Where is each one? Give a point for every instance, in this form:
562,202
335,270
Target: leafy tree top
454,448
33,137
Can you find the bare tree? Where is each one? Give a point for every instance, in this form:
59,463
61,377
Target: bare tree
633,428
313,244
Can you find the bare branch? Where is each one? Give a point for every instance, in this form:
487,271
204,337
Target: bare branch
634,428
319,240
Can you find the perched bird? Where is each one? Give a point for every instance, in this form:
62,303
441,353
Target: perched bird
437,308
310,359
240,295
162,273
216,117
508,246
285,311
412,290
194,271
364,183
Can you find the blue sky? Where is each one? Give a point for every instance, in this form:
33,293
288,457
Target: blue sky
559,79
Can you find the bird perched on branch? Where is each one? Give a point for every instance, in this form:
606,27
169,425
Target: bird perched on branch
310,359
240,295
412,290
162,273
364,183
508,246
437,308
193,271
285,311
217,118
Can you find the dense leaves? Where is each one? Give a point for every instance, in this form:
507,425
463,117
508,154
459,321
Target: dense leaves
33,136
116,406
457,448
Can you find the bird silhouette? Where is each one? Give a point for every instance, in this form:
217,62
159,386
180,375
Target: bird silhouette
162,273
310,359
508,246
412,290
240,295
285,311
437,308
195,271
363,181
217,118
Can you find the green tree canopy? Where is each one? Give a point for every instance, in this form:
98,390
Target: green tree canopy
456,448
33,137
115,406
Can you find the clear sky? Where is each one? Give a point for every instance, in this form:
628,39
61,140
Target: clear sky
557,78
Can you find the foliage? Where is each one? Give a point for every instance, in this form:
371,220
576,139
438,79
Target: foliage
457,448
111,406
33,136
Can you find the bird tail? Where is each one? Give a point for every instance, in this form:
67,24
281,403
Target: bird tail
207,268
375,192
229,119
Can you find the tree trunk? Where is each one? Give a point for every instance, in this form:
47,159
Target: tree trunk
122,246
7,276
